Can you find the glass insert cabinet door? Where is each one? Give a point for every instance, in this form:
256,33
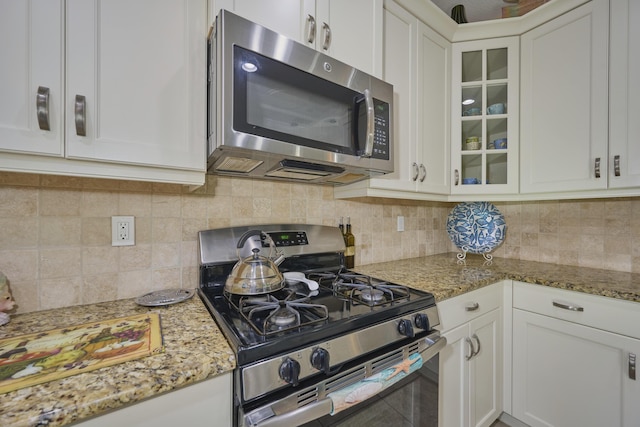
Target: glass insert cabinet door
485,101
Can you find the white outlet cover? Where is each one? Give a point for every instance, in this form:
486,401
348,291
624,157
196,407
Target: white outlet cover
116,239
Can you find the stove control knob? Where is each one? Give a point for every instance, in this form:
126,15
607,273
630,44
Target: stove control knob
290,371
421,321
406,328
320,360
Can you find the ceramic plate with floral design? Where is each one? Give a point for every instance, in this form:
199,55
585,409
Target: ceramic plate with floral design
476,227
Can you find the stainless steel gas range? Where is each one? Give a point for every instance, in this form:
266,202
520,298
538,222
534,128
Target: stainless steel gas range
307,352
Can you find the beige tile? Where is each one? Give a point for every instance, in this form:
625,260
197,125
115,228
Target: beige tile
60,202
134,204
241,207
165,255
99,204
96,231
19,265
26,295
60,231
132,284
18,202
100,259
242,188
261,207
166,206
19,232
19,179
66,182
60,263
191,226
166,278
60,292
165,230
99,288
194,207
136,257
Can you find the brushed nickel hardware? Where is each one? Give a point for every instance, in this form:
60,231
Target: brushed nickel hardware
472,353
566,306
475,337
326,29
632,366
371,124
616,165
423,172
80,114
457,177
311,32
414,177
472,306
597,167
42,107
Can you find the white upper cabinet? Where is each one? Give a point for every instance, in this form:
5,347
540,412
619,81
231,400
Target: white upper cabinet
624,91
136,88
32,77
418,65
350,31
564,103
484,111
120,86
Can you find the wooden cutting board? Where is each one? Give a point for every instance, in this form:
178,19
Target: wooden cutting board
36,358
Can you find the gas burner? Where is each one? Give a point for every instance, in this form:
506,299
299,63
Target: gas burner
361,288
268,314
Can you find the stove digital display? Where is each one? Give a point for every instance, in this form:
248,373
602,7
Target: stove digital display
289,238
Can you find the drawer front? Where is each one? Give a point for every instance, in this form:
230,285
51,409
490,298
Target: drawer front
464,308
608,314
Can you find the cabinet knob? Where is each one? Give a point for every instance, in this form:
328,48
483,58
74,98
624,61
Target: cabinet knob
472,306
42,107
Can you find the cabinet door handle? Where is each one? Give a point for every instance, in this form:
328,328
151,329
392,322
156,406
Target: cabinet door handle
80,114
414,165
311,29
423,172
456,175
472,306
42,107
632,366
567,306
326,29
597,167
616,165
472,352
475,337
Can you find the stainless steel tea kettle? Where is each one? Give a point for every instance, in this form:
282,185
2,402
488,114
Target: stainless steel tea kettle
255,274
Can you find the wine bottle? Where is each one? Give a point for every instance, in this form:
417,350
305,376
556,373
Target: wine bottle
341,227
350,242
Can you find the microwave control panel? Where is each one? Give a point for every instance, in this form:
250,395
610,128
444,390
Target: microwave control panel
381,145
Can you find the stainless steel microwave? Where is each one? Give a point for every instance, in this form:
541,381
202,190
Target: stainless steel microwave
281,110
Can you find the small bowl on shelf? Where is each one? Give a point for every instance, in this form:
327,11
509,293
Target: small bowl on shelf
472,145
500,144
467,181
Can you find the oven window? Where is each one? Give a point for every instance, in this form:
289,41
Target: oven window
412,402
277,101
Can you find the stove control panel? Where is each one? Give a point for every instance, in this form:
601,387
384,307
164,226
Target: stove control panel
287,238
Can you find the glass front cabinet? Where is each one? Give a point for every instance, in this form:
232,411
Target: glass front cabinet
484,134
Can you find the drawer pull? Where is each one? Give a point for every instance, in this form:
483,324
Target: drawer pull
473,352
632,366
42,107
567,306
472,307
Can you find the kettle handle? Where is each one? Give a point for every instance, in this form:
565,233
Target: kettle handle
243,239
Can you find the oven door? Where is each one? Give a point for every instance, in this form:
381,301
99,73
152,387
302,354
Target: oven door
401,384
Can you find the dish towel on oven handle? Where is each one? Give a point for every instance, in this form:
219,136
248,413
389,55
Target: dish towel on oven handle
368,387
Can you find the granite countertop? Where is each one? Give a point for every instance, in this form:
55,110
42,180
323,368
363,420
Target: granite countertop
195,348
445,278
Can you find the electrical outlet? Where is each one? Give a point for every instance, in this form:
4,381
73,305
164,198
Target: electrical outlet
123,232
400,223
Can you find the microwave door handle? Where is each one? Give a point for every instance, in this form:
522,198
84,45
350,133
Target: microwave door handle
368,147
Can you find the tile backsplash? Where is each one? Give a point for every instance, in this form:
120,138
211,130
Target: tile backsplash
56,231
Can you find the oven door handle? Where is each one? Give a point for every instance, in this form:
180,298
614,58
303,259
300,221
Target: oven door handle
324,406
299,416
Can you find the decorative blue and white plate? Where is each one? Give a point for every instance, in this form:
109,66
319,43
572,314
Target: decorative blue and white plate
476,227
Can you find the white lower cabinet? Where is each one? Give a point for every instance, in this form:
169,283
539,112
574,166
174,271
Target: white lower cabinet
568,370
471,363
207,403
